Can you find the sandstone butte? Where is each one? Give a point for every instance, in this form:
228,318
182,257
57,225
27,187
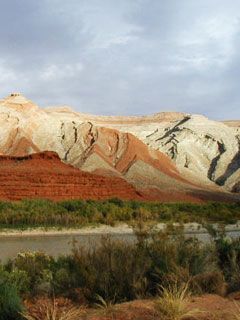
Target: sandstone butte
167,156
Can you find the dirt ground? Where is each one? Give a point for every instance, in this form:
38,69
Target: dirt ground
209,307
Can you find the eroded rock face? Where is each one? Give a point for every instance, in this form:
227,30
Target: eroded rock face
165,152
203,150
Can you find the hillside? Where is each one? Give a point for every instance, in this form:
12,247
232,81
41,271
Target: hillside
44,175
168,155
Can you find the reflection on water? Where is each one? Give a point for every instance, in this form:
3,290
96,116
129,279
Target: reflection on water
56,245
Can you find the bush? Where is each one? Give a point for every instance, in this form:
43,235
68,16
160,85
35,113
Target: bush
10,302
209,282
228,253
120,271
35,267
76,213
16,277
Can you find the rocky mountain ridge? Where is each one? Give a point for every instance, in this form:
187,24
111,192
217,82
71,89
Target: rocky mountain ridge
167,153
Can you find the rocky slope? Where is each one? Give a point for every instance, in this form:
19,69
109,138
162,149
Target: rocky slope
44,175
163,155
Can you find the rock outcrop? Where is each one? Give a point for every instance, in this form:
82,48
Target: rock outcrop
168,153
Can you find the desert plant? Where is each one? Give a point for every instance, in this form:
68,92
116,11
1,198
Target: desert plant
228,254
37,267
106,307
172,305
51,311
236,313
209,282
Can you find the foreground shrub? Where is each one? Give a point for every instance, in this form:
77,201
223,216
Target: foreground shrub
209,282
35,268
10,302
120,271
228,255
115,271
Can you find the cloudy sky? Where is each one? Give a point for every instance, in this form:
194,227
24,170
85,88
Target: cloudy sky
123,57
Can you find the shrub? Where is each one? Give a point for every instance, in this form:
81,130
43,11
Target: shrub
37,267
115,271
228,255
209,282
120,271
10,302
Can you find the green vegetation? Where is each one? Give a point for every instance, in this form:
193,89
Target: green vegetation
78,213
10,302
161,264
117,271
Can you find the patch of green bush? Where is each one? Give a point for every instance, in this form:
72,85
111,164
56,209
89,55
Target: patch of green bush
10,301
76,213
120,271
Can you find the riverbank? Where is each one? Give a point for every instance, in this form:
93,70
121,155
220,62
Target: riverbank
72,214
119,229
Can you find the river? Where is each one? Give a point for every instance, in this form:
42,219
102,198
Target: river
61,244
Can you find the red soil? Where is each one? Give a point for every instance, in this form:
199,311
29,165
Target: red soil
207,307
43,175
156,194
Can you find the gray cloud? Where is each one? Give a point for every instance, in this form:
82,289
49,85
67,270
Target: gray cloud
131,57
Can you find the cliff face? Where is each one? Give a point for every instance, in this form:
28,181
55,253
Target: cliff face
167,153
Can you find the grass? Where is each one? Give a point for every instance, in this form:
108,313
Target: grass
236,314
107,308
173,303
51,311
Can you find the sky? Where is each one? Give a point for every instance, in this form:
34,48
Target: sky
127,57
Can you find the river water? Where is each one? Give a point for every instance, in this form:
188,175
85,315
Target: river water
58,244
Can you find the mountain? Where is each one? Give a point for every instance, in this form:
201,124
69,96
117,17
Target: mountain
165,156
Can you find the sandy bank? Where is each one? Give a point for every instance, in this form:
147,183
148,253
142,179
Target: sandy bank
189,228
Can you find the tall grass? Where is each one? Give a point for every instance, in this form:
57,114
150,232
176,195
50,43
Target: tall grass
173,303
236,314
51,311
